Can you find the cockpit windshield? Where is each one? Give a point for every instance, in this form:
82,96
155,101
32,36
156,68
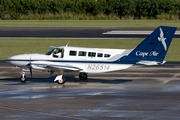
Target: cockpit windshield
50,51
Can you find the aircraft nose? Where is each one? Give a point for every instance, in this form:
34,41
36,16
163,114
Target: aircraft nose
19,60
10,60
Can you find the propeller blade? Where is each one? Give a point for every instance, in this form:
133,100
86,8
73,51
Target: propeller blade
30,69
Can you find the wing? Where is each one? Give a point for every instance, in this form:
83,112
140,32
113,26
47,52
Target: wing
64,67
53,65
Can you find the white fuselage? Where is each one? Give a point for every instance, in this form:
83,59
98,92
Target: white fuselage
89,60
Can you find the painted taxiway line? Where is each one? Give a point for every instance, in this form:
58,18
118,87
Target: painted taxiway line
59,38
133,32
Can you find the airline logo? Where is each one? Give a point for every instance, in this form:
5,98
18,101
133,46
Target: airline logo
145,54
162,39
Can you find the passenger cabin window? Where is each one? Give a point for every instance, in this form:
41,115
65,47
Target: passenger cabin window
82,53
91,54
107,55
99,55
72,53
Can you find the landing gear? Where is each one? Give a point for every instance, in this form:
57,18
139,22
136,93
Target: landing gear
23,77
59,79
51,72
83,76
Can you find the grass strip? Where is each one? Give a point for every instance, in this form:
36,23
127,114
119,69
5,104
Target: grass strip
88,23
10,47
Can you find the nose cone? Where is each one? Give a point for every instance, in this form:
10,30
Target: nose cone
19,60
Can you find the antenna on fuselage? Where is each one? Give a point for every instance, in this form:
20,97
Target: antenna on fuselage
67,43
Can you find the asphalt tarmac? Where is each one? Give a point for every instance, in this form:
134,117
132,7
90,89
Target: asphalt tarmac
144,93
80,32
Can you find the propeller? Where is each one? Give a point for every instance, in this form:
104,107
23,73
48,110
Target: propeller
30,67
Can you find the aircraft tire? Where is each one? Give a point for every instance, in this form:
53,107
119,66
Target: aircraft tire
83,76
23,79
61,82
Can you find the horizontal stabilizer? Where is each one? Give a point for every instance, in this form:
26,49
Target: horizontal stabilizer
150,62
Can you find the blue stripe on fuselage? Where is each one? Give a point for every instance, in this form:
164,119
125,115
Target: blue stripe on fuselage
123,60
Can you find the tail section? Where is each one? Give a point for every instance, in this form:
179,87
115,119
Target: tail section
154,48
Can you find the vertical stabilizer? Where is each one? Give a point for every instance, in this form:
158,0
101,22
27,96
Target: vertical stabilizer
154,47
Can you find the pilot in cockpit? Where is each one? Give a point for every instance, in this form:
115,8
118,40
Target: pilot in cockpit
57,53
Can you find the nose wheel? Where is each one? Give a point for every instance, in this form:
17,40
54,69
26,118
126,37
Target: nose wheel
59,79
83,76
23,77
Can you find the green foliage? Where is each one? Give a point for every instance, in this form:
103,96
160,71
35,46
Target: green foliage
89,9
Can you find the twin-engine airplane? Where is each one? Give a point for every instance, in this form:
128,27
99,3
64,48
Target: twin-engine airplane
63,59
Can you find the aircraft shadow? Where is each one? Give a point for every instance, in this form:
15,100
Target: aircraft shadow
68,78
113,81
29,79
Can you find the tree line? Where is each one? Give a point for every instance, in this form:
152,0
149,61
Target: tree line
90,9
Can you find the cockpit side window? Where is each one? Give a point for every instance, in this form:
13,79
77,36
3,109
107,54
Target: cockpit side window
56,52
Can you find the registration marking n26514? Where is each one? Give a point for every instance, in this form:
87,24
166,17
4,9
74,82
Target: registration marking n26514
98,67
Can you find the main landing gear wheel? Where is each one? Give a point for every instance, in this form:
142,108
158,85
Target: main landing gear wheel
23,77
83,76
